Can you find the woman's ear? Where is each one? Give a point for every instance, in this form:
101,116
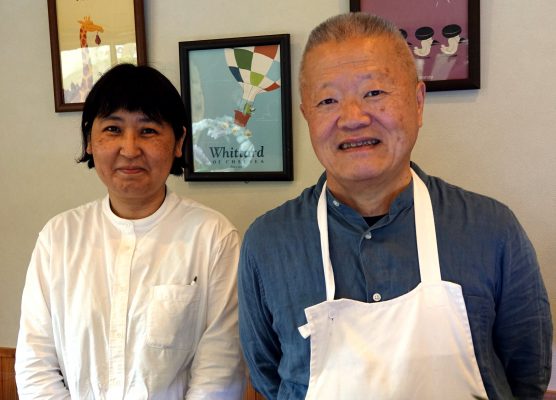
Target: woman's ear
88,150
179,144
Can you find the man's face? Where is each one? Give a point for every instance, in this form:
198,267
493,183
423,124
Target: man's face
364,109
133,155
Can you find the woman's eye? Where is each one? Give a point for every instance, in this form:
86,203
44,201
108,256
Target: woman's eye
149,131
326,102
112,129
374,93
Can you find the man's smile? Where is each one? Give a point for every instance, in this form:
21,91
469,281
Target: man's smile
361,143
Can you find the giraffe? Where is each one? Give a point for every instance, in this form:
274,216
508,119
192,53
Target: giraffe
86,25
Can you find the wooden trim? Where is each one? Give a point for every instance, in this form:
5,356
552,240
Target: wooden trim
7,352
550,395
251,393
8,389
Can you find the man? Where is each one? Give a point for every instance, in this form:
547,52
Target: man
382,282
134,295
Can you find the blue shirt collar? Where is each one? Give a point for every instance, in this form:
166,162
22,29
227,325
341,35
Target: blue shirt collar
402,202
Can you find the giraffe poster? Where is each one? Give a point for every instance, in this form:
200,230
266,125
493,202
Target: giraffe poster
87,38
441,34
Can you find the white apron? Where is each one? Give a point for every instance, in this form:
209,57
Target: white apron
416,346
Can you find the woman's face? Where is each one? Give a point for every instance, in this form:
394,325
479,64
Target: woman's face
133,156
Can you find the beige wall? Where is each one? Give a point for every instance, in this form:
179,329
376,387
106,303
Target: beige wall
500,140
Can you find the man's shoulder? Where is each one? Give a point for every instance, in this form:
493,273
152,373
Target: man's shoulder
292,213
449,194
466,205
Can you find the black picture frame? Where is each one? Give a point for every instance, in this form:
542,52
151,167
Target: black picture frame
128,44
230,136
407,13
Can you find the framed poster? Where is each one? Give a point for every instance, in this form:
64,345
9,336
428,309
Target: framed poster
238,94
87,37
443,35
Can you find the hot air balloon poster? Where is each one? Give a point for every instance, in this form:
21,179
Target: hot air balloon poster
238,95
443,36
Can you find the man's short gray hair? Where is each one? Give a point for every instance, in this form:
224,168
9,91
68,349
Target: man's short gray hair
356,24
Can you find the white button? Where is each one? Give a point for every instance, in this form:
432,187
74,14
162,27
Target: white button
377,297
336,203
368,235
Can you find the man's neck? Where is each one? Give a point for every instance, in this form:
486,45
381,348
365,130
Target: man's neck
370,198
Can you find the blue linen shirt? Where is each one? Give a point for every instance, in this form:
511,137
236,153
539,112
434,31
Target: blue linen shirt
481,246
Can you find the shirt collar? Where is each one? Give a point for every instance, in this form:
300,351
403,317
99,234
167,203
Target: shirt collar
139,225
402,202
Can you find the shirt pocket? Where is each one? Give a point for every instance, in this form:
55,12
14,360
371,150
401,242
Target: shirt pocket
172,316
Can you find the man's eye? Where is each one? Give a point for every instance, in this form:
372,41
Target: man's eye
149,131
326,102
374,93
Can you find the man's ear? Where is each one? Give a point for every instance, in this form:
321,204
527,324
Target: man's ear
302,109
420,93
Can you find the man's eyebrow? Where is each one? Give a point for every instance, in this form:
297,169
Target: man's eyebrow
363,77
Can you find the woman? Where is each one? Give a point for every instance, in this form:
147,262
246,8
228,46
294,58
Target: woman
134,295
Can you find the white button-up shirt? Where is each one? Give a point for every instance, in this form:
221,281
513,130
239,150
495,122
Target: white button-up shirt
136,309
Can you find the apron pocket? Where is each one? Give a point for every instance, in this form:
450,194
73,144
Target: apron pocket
171,316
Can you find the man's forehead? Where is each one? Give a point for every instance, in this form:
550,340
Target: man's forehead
379,52
369,59
357,47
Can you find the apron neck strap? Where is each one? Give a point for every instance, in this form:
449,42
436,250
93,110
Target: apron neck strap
322,219
427,249
425,230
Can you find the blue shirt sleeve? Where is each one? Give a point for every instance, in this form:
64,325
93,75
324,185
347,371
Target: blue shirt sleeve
522,332
260,344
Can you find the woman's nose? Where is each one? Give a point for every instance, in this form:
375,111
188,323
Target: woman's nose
129,147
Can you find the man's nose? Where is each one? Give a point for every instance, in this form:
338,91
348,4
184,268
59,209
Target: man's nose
353,115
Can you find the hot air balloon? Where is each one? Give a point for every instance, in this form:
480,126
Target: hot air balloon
257,69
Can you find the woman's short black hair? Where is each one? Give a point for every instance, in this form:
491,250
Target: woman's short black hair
134,88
